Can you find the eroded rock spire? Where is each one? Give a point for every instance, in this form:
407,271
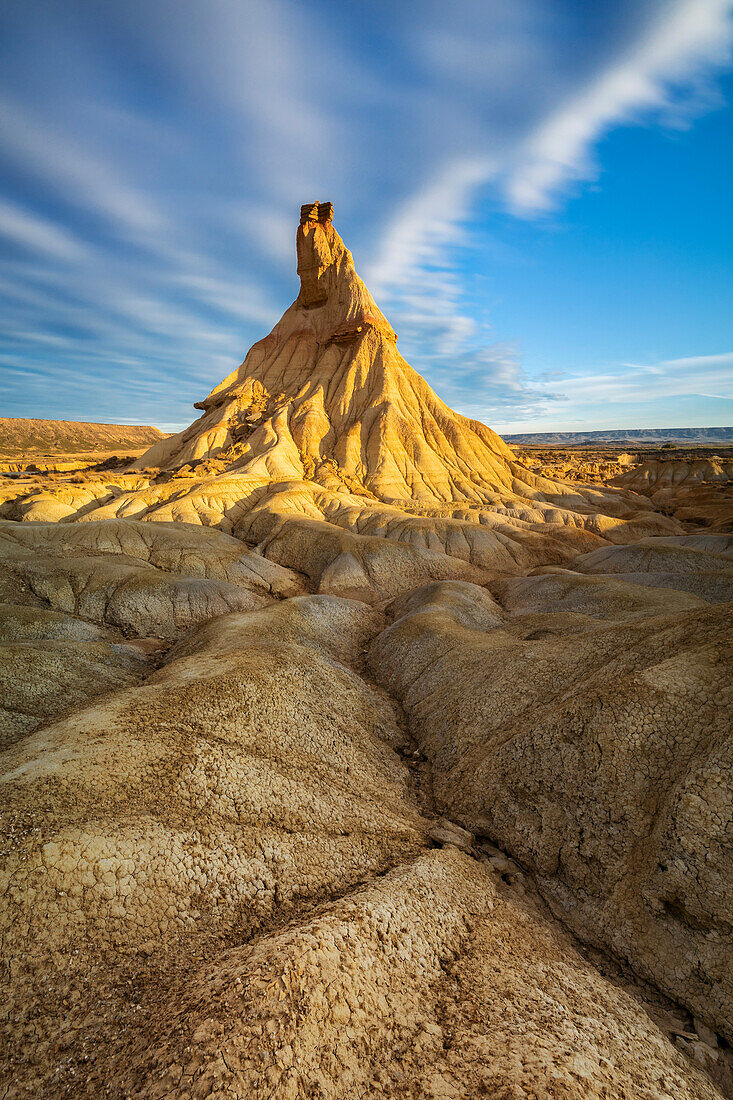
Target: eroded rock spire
315,252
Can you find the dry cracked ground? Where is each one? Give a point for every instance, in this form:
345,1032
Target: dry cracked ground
344,756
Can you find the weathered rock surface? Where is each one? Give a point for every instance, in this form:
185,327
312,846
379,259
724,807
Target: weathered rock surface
310,718
41,679
145,580
433,984
595,745
254,768
699,564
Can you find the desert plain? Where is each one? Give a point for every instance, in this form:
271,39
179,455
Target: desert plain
347,751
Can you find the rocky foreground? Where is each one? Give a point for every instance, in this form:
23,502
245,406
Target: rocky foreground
345,755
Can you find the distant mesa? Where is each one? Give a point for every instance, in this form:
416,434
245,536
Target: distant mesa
654,436
28,436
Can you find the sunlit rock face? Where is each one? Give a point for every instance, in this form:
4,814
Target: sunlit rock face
332,736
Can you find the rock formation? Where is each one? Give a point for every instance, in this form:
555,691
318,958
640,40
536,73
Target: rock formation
325,449
691,489
342,755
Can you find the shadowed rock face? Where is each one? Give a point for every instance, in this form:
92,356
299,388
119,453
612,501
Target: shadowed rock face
308,720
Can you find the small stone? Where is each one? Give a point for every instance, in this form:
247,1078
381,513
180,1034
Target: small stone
504,866
447,832
489,849
703,1054
706,1033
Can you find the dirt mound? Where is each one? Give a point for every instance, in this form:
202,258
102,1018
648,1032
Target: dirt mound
590,739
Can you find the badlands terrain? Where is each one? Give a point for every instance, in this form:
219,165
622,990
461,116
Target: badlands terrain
347,752
693,484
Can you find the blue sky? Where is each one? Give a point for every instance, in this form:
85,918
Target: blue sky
537,192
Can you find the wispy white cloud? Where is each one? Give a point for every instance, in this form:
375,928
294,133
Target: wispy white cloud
684,41
622,395
83,179
38,234
426,225
722,362
633,382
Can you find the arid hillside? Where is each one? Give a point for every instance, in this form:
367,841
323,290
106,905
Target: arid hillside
346,753
25,438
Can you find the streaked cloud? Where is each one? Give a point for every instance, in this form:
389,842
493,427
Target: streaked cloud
684,40
156,153
628,382
613,396
37,235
